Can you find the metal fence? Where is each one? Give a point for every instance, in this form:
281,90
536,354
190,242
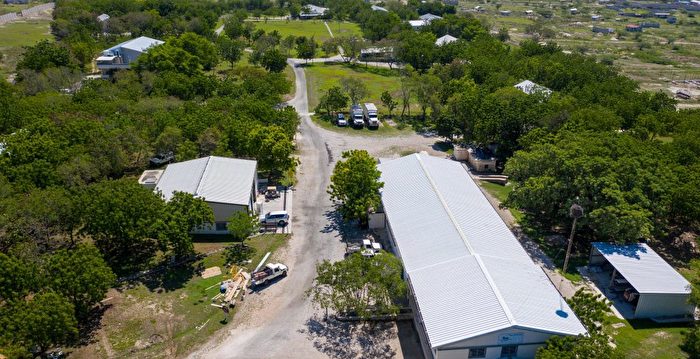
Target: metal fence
4,19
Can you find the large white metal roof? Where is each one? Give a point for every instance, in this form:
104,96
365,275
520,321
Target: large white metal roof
140,44
468,272
646,271
216,179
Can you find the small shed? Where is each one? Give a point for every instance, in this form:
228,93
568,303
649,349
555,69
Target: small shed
662,292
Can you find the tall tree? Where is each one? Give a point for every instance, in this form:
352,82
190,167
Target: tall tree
242,225
181,214
273,60
365,286
334,100
355,88
417,50
389,101
80,275
355,184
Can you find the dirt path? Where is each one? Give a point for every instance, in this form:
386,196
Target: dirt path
279,321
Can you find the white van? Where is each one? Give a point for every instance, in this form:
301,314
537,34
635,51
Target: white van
280,218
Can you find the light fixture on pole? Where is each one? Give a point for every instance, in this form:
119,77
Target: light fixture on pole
575,212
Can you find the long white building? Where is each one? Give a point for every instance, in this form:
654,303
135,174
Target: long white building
474,290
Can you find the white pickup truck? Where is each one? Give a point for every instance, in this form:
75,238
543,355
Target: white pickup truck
368,248
271,271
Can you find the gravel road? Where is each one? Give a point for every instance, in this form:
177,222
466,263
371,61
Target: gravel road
279,321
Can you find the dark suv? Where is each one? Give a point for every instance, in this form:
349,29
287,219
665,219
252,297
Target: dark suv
161,159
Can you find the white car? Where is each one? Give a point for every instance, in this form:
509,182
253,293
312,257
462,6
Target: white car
280,218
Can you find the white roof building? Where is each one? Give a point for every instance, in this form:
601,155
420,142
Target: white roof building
445,40
122,55
663,292
473,285
417,24
216,179
103,18
311,11
429,17
379,8
530,88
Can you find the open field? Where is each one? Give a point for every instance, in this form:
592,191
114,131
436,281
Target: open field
16,34
309,28
655,57
165,316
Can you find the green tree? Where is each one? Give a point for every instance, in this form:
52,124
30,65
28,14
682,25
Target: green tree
44,321
355,88
80,275
239,253
352,47
590,308
230,50
389,102
17,278
273,60
182,214
242,225
557,347
122,218
43,55
272,147
306,47
355,184
417,50
365,286
334,100
168,140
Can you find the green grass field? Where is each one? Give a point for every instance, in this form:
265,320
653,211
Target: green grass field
309,28
8,8
321,77
14,35
640,339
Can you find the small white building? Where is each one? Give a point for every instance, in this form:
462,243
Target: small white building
417,24
429,17
445,40
103,18
379,8
228,185
312,11
530,88
662,291
474,291
122,55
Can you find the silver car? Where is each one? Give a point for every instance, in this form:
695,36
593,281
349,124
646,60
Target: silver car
280,218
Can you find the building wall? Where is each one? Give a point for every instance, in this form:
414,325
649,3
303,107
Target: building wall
129,55
528,341
660,305
223,211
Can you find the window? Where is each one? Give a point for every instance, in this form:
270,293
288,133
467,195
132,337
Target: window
509,351
486,166
220,226
477,353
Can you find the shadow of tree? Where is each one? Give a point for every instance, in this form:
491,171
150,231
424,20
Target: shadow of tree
88,326
342,340
169,279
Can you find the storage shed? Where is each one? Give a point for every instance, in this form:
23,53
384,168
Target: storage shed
662,292
474,291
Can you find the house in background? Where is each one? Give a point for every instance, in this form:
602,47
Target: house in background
121,56
16,2
103,18
379,8
429,17
228,185
530,88
312,11
445,40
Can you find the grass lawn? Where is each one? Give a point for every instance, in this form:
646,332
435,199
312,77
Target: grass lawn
14,35
309,28
646,339
168,315
383,130
321,77
501,193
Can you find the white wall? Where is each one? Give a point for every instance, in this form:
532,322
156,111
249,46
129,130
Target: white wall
660,305
223,211
527,340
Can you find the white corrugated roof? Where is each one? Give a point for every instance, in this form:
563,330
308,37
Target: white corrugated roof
530,87
646,271
429,17
445,40
140,44
216,179
468,272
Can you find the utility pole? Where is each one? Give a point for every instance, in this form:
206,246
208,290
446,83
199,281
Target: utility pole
575,212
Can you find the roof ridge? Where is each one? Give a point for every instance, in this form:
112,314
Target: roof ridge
486,273
201,177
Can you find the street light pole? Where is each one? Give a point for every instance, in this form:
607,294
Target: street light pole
575,212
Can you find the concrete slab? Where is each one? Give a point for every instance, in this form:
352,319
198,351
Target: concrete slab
211,272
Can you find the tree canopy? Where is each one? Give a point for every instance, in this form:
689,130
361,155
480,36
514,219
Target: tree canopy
355,184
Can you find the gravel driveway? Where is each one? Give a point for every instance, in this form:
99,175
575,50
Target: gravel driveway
279,321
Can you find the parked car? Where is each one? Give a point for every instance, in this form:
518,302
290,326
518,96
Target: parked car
280,218
162,159
368,248
340,120
358,117
271,271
